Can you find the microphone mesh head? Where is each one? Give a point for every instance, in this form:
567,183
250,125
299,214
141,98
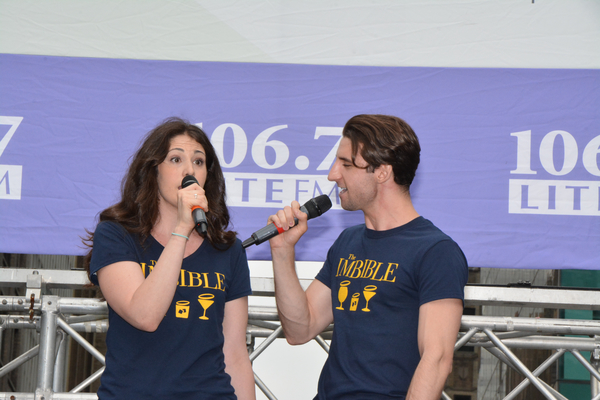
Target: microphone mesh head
188,180
317,206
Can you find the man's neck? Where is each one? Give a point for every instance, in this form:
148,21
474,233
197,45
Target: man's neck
390,210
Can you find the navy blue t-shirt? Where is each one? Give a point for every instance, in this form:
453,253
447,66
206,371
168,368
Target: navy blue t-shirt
378,281
183,358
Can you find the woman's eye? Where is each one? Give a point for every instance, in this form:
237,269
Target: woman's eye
199,162
175,159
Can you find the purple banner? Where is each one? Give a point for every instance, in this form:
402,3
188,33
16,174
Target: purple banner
509,166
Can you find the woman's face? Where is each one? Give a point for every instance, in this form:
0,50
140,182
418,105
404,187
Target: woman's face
185,157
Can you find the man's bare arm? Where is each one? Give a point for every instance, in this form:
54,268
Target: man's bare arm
303,315
439,322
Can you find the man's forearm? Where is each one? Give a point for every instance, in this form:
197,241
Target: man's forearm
429,379
292,304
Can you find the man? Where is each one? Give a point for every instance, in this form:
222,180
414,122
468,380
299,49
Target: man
393,286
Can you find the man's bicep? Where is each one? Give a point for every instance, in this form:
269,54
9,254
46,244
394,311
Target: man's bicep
439,323
319,302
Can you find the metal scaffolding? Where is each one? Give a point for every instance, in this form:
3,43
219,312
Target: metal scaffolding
55,318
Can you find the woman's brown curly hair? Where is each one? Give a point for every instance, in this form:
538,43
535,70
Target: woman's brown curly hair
138,211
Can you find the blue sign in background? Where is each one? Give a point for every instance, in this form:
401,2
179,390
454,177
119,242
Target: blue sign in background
82,119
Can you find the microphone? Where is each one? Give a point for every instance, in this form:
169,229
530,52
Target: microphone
197,211
314,208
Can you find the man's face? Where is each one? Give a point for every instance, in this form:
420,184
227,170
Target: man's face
358,187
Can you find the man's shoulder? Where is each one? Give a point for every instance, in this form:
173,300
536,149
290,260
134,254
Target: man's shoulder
430,230
352,231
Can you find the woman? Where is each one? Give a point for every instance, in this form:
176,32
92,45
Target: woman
178,305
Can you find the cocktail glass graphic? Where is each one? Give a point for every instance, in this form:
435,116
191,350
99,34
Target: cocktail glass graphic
206,300
342,293
368,292
182,309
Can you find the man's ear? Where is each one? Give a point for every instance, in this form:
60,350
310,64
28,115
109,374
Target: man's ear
384,173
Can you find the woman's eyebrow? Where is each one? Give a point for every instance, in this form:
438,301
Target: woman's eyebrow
180,149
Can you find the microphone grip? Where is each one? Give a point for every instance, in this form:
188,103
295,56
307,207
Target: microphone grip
268,232
262,235
199,219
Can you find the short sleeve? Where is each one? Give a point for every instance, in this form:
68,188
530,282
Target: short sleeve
347,236
324,275
112,243
443,273
240,284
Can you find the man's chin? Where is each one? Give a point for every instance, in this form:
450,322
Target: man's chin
347,207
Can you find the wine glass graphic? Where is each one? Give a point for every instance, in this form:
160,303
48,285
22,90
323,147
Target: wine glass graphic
343,293
369,291
206,300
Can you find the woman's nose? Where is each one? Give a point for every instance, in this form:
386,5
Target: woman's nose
188,168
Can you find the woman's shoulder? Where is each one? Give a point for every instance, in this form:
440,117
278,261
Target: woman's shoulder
111,231
234,246
108,227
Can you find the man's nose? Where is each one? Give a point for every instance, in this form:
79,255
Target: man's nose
333,173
